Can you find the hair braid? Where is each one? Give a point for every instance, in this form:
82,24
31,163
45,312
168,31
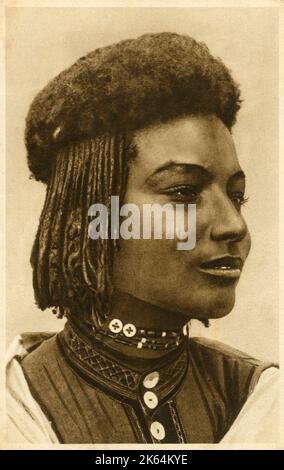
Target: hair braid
71,270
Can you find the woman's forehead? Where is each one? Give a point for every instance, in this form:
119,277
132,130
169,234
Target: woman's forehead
191,140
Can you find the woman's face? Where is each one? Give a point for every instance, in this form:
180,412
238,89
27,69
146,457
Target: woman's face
191,160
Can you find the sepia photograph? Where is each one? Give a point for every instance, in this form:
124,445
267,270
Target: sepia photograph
142,225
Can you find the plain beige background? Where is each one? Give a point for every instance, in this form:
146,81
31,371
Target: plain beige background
43,41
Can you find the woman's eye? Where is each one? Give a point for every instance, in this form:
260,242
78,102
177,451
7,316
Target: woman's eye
183,193
239,198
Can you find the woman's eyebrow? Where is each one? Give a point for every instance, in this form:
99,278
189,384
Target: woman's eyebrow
174,168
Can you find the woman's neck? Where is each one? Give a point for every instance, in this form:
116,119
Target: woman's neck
158,332
147,319
130,309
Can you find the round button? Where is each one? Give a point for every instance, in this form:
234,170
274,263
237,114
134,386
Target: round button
129,330
157,431
115,325
151,380
150,400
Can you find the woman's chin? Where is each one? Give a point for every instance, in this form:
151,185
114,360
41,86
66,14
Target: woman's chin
207,308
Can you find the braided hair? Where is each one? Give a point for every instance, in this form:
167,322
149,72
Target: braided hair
69,269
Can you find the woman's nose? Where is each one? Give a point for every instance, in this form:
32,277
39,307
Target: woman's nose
228,223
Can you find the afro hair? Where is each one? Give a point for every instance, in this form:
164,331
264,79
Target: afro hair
124,87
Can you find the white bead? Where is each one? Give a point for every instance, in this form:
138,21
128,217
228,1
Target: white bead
129,330
151,380
157,430
150,399
115,325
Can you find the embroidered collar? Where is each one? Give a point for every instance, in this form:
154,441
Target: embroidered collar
116,376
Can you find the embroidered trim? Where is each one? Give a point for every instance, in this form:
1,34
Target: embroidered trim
110,370
135,423
176,422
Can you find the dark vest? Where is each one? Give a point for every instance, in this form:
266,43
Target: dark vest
90,398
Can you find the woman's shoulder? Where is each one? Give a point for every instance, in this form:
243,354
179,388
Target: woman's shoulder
217,348
227,365
246,386
26,421
24,343
37,354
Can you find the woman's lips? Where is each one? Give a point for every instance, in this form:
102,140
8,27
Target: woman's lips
225,267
